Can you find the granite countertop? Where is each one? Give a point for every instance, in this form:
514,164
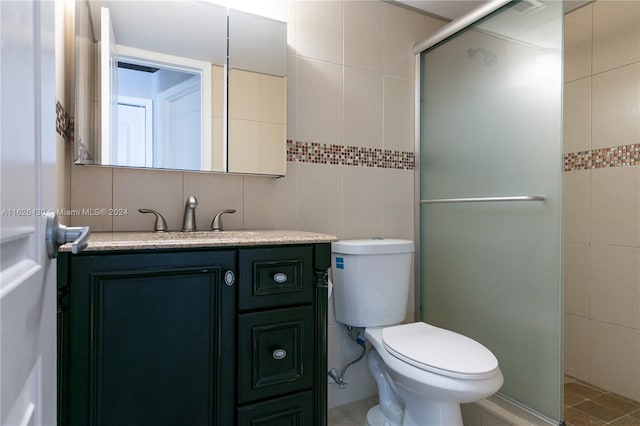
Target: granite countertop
103,241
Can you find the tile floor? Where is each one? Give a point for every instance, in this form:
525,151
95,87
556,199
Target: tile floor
584,405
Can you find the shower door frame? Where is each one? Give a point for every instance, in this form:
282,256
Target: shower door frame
447,31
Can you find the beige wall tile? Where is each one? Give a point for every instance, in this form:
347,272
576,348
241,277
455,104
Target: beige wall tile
615,284
577,43
615,206
320,33
361,384
615,358
217,90
91,188
272,99
216,192
401,32
363,34
577,206
399,204
292,97
150,189
471,415
270,203
320,96
427,25
319,198
244,89
577,346
243,151
363,203
362,108
616,110
399,107
616,34
272,158
577,279
489,419
577,116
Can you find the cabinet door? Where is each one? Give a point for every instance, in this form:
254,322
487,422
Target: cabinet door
294,410
147,335
275,350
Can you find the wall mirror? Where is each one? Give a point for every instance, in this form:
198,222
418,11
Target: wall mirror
186,85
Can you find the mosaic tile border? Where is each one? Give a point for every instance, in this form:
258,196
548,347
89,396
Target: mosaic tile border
616,156
317,153
63,122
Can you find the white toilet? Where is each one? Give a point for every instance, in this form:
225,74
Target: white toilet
423,372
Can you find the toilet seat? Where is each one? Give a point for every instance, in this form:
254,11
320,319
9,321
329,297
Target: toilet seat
439,351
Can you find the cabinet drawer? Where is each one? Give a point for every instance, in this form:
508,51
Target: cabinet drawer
289,410
274,277
275,350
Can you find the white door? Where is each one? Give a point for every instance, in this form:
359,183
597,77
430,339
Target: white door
27,190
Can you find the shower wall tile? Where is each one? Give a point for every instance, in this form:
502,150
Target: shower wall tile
615,293
150,189
320,102
363,35
577,346
577,43
616,110
399,114
616,34
615,358
615,206
91,189
362,108
577,116
320,30
577,279
216,193
401,32
576,207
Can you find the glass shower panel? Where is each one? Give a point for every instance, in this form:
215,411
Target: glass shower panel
491,107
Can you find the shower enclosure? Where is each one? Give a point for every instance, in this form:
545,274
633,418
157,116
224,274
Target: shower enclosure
490,159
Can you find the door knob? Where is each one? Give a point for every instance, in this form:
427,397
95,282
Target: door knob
57,235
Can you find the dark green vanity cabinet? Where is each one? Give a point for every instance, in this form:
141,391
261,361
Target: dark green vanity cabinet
193,336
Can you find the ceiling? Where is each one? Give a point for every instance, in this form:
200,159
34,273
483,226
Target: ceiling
454,9
449,9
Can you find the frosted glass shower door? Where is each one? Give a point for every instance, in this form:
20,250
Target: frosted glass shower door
491,106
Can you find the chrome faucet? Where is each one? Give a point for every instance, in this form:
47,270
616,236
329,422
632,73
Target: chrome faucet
189,221
216,223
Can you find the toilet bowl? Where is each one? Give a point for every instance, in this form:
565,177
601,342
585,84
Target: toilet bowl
433,371
423,372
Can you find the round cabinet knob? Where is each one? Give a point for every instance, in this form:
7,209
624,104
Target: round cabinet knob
279,354
280,277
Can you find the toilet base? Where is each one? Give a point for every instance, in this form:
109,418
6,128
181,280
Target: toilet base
376,418
429,414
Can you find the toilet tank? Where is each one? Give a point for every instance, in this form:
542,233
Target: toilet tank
371,281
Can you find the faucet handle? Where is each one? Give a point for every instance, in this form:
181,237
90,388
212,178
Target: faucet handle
216,223
160,224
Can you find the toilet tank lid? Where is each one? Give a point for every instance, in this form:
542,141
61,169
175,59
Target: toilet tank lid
372,246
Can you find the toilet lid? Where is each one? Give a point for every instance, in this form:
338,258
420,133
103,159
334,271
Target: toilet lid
440,351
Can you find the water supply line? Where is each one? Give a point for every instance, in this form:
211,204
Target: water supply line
333,373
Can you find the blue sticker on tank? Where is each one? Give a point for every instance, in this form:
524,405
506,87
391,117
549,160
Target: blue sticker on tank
339,263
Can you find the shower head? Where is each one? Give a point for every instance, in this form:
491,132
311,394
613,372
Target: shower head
489,58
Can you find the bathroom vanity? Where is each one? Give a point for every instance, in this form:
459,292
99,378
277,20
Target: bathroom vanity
196,328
